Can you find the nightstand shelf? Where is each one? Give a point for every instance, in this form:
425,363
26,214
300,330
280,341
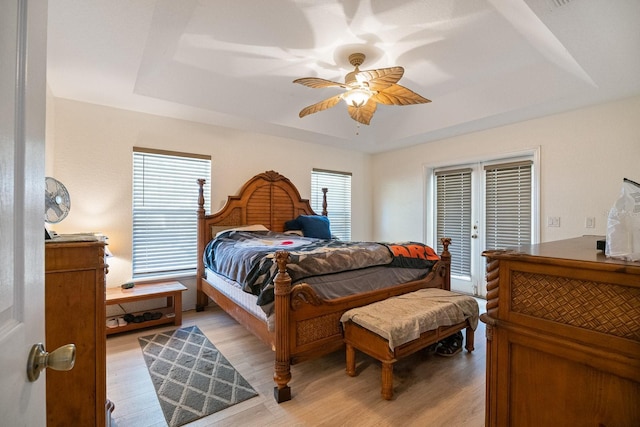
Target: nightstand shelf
172,313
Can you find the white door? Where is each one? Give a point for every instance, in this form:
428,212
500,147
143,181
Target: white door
22,127
456,216
488,204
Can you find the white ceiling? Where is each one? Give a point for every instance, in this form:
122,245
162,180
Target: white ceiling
231,63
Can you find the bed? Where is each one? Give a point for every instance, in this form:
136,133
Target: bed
302,324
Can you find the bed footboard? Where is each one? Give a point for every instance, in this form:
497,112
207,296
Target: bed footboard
307,326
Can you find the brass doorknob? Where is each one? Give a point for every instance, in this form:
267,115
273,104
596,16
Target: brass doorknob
61,359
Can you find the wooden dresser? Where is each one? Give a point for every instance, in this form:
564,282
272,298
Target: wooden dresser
75,314
563,337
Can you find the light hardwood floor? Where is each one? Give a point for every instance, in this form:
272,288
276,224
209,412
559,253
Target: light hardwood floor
429,390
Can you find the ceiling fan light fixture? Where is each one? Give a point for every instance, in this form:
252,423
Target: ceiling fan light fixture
364,90
357,97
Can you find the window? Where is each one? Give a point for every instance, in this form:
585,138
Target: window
508,204
165,201
338,199
453,216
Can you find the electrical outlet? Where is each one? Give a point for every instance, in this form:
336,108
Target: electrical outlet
553,221
590,222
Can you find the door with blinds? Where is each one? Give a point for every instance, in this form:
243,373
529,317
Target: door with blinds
481,206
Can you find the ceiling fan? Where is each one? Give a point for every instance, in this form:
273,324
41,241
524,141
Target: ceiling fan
363,91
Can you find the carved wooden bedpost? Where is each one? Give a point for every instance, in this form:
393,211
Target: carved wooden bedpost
493,284
445,256
324,202
202,300
490,319
282,291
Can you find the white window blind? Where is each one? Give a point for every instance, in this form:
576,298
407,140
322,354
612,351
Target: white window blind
508,204
338,199
453,211
165,201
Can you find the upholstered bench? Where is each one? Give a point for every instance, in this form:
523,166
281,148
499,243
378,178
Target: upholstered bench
399,326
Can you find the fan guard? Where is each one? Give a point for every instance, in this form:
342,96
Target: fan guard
56,201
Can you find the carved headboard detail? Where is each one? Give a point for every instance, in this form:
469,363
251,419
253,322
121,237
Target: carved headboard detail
268,198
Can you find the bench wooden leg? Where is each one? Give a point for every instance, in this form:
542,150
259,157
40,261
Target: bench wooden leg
469,340
387,381
351,360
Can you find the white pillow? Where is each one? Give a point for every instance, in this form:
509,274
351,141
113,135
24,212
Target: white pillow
255,227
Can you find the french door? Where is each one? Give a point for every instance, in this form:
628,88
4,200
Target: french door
489,204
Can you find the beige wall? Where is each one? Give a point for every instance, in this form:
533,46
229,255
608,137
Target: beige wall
92,158
584,155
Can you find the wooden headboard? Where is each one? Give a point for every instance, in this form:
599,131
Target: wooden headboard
268,198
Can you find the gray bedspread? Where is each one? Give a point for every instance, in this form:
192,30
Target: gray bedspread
248,258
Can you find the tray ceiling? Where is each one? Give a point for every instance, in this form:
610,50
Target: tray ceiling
232,63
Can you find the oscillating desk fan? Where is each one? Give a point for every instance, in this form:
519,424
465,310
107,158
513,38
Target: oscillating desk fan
56,203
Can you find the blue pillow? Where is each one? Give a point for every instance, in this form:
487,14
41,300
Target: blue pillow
315,226
294,224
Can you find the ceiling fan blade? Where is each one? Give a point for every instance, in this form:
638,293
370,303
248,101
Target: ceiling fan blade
322,105
380,78
317,83
399,95
364,113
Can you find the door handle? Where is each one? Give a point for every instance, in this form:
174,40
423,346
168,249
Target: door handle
61,359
